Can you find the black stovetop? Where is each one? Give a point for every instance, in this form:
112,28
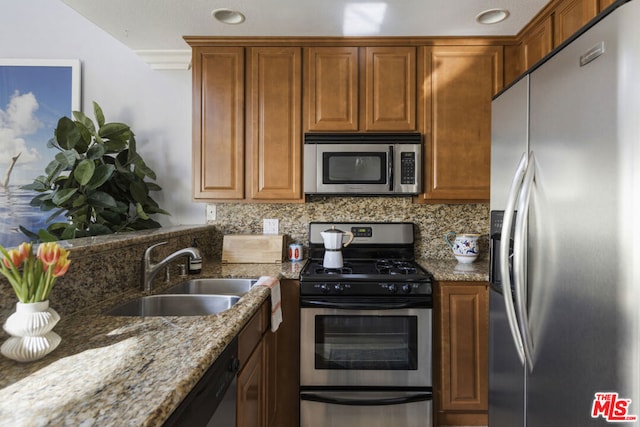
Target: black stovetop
375,269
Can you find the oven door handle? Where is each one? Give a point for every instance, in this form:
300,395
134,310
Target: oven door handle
365,305
419,397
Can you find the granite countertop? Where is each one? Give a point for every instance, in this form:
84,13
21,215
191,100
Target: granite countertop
136,371
125,370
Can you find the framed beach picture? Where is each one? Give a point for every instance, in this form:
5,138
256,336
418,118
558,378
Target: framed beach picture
34,95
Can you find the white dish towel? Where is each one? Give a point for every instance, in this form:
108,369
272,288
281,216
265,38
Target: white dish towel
276,304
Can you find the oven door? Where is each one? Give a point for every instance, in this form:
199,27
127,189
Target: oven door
382,342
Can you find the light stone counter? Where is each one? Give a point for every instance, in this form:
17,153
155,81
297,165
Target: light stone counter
117,371
129,371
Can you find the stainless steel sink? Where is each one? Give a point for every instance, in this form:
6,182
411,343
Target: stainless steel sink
175,305
218,286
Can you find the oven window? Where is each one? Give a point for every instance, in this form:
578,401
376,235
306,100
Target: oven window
354,168
366,342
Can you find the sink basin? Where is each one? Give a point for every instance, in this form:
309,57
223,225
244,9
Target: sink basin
213,286
175,305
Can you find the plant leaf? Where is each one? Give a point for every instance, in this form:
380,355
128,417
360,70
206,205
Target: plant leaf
97,111
138,191
140,211
101,199
45,236
100,176
86,121
63,195
66,158
67,133
95,152
84,171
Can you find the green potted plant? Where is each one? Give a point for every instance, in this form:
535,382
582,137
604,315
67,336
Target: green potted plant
97,181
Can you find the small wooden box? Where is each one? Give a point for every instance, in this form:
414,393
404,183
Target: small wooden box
252,248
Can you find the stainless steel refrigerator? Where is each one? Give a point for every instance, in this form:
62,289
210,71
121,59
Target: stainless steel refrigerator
565,241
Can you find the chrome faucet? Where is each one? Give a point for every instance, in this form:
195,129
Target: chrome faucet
150,270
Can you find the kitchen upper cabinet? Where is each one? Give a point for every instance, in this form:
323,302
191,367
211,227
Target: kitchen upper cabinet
274,131
390,88
366,88
571,15
331,88
218,123
604,4
460,82
537,42
461,353
558,21
247,123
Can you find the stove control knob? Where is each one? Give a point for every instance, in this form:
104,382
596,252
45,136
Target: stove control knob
406,288
392,287
324,288
338,287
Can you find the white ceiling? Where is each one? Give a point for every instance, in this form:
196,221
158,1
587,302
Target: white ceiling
159,25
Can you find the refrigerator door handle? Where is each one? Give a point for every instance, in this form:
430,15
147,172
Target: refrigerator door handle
519,260
509,213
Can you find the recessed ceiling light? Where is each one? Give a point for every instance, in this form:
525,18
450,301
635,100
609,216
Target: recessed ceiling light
492,16
228,16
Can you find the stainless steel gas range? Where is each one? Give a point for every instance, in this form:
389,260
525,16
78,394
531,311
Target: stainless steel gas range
366,331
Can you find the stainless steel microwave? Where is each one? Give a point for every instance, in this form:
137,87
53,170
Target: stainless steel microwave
363,163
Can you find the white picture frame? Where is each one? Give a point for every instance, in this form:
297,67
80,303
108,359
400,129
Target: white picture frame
34,95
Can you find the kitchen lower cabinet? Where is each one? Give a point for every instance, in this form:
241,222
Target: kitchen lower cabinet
461,350
268,379
460,82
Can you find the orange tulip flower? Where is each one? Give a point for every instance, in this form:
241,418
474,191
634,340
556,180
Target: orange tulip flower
49,253
62,265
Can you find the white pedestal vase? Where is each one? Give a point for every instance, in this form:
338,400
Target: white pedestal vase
30,329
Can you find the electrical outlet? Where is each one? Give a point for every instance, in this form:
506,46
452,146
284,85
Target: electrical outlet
270,226
211,213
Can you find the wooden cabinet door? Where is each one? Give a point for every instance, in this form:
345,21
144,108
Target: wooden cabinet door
283,361
331,88
604,4
463,80
273,123
462,322
389,88
250,400
218,129
537,42
569,16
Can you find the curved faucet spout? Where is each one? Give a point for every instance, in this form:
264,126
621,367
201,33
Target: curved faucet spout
150,270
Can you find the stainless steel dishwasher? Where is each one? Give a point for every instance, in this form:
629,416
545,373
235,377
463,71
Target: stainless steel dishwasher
212,402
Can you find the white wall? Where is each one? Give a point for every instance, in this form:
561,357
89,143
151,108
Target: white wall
155,103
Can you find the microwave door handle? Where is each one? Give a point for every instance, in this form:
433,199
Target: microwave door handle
390,168
418,397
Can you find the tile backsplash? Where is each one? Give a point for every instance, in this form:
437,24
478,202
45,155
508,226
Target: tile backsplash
432,221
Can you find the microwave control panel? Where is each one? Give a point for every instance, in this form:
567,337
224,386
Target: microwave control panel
408,167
